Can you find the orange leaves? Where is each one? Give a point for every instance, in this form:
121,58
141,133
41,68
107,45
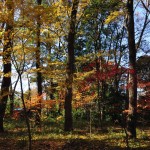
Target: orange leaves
51,103
126,112
48,103
84,94
34,103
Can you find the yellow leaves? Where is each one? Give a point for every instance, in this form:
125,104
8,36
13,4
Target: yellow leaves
81,76
84,100
2,16
38,10
21,52
7,75
56,63
29,49
78,96
9,2
6,12
89,57
34,70
84,59
59,118
85,2
113,16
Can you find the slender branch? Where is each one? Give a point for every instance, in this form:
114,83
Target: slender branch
145,6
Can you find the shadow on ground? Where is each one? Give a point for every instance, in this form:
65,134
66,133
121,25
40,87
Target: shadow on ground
75,144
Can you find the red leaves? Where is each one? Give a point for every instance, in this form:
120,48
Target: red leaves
92,64
131,71
143,84
105,71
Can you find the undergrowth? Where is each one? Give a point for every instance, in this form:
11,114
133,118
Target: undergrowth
110,137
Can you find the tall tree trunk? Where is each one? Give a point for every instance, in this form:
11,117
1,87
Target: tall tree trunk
38,64
132,113
7,49
68,126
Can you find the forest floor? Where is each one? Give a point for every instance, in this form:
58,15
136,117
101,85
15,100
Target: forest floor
52,137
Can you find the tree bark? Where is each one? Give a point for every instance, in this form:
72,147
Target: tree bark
132,109
38,64
7,49
68,126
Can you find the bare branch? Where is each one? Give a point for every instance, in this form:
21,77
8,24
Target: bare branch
145,6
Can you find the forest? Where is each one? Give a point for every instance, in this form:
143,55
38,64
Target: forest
75,74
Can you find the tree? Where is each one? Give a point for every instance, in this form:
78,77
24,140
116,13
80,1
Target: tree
38,64
143,69
68,126
103,43
7,49
20,67
143,72
132,109
146,5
